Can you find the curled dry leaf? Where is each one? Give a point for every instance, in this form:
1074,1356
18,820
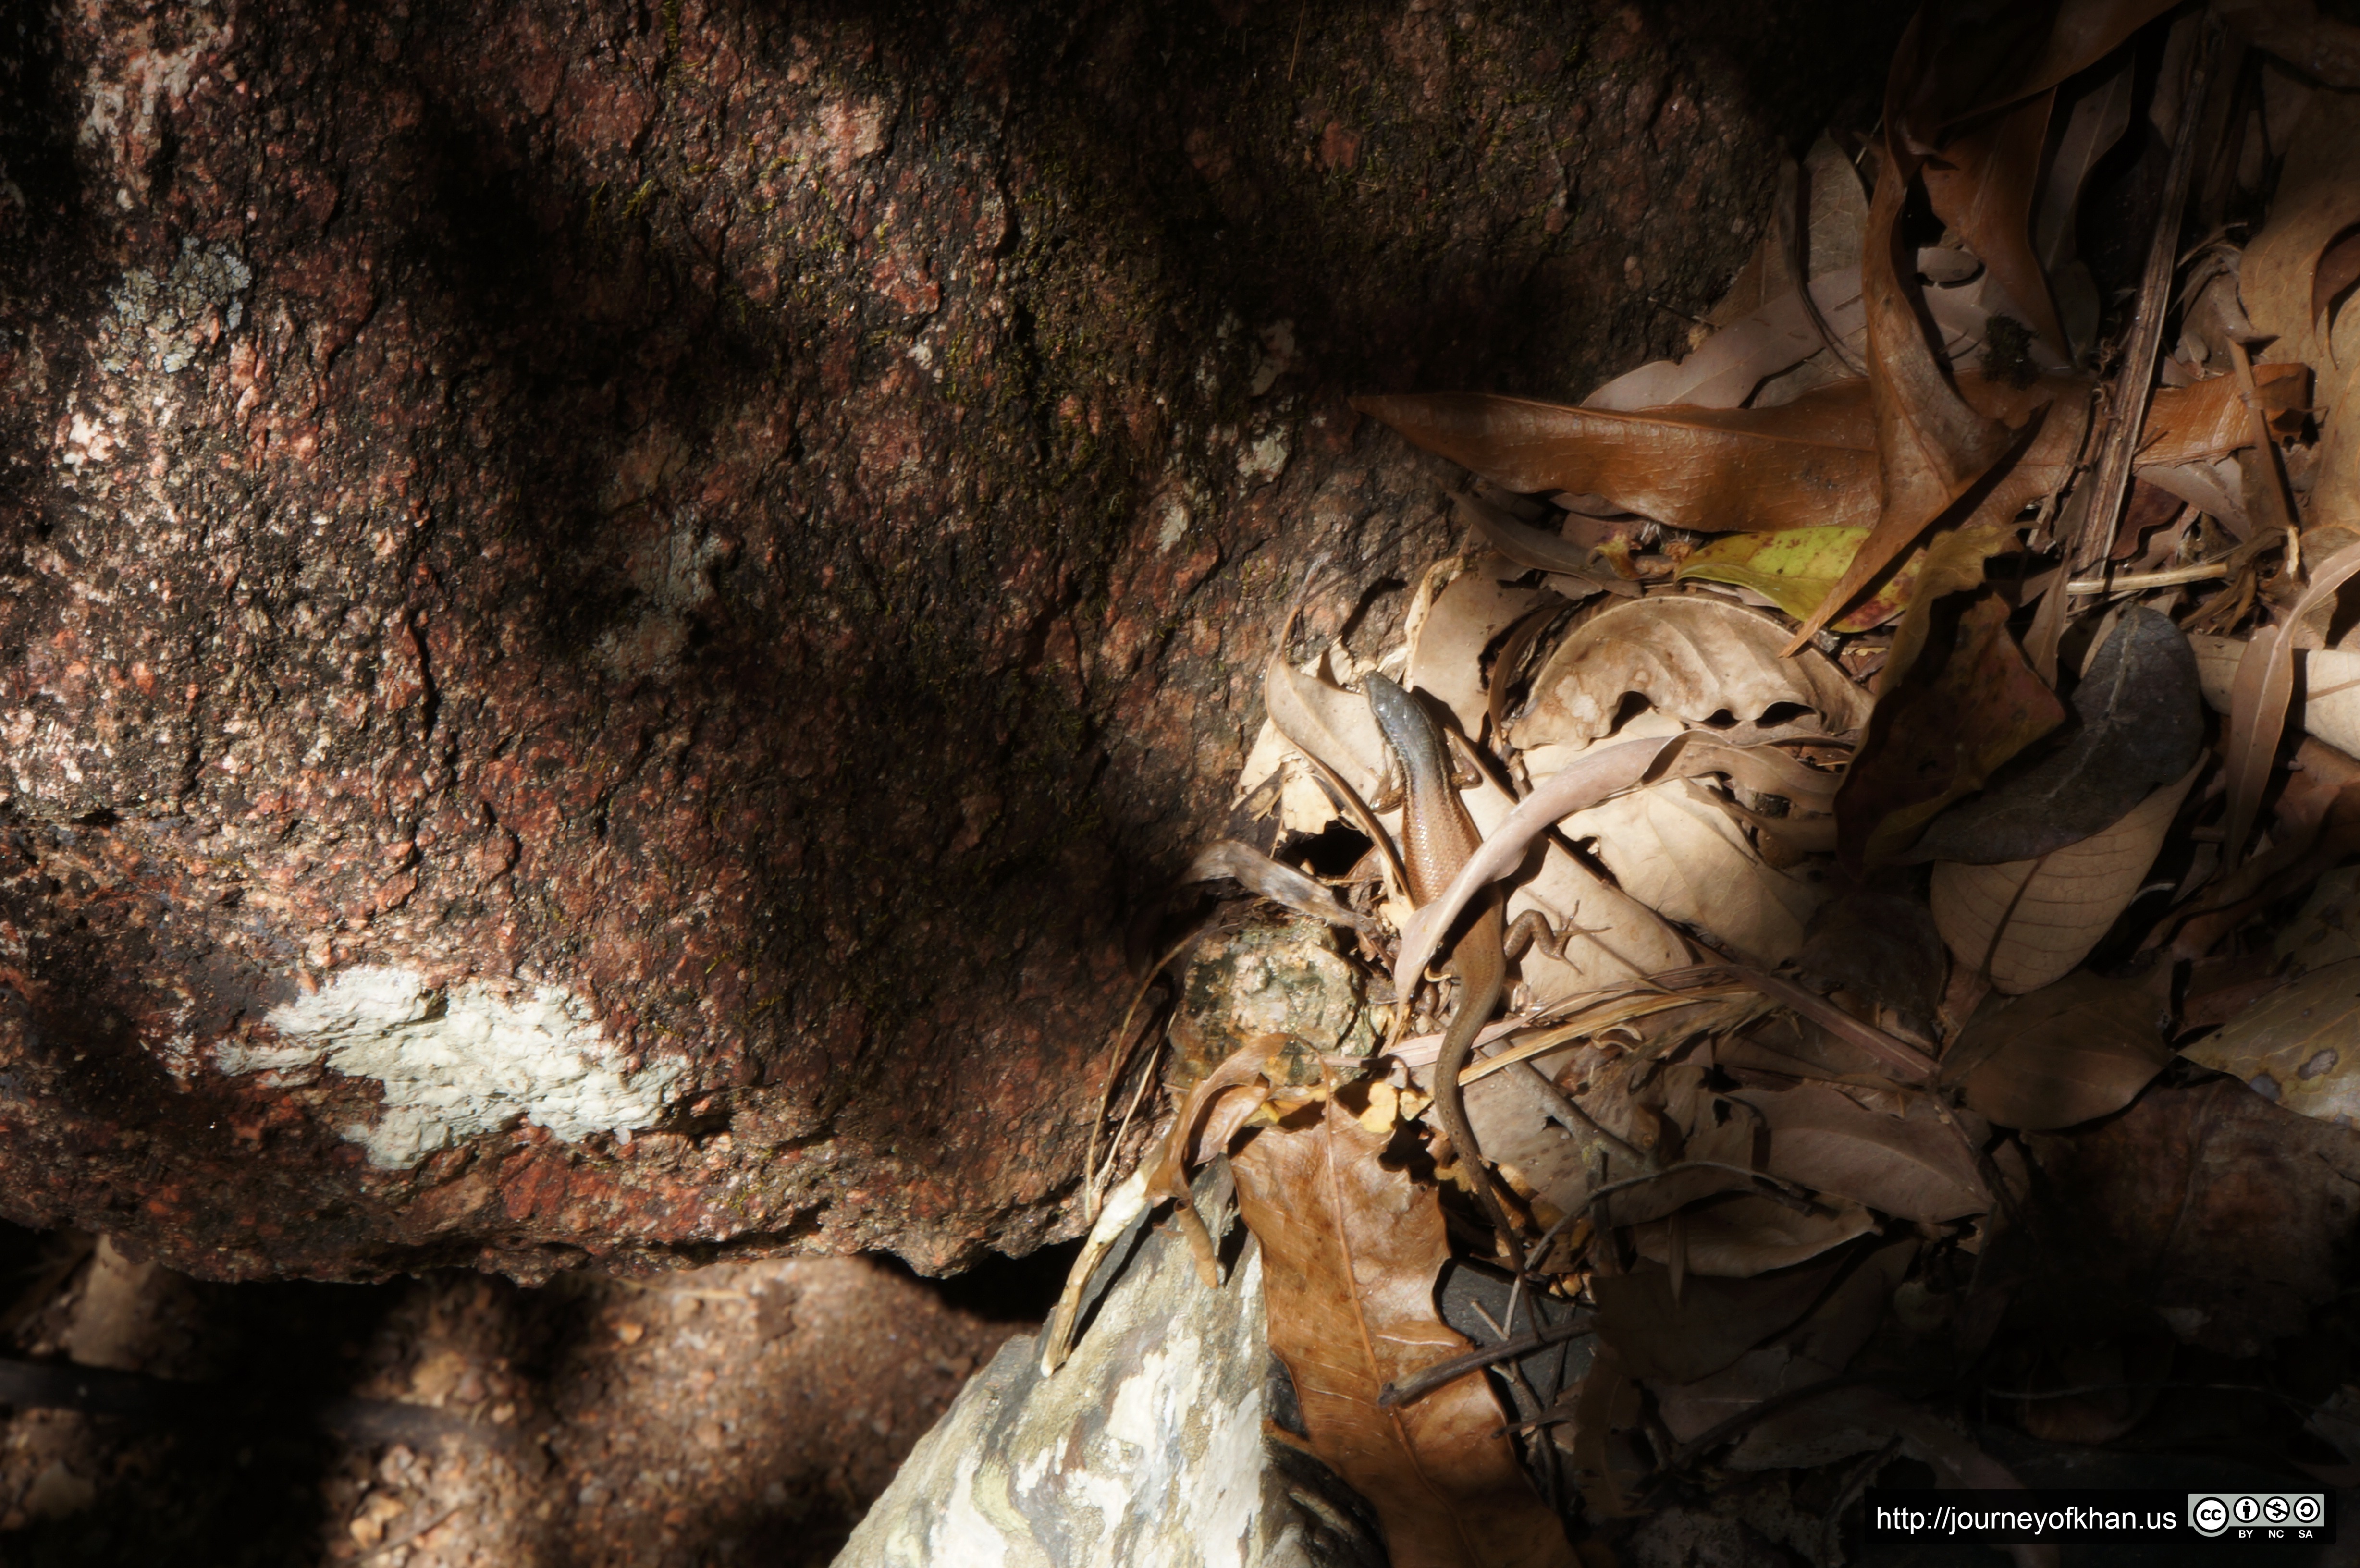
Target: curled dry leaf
1324,723
1739,1234
2298,1047
2142,722
2028,923
1692,658
1913,1167
1351,1251
1674,847
2065,1054
1470,614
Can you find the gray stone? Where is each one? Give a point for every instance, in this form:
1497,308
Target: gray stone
1150,1445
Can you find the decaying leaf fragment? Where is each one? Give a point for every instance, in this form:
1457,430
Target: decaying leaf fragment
2028,923
2065,1054
2298,1047
1350,1250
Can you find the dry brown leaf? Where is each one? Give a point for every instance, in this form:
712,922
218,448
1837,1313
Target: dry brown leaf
1350,1250
1809,463
1817,1348
1692,658
1709,1323
1804,464
1932,446
2142,723
2298,1047
1913,1167
2228,1216
2028,923
1280,884
1967,62
1740,1234
2096,122
1468,616
2067,1053
1674,847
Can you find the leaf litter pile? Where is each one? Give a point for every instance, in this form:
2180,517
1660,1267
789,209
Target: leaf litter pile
1851,974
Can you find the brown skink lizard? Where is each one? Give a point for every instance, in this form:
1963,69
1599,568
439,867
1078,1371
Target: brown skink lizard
1437,836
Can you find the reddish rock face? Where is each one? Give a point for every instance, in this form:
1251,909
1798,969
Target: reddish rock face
607,608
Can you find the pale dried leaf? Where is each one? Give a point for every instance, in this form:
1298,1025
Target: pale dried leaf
1610,937
1913,1167
1672,847
2260,695
1693,658
1326,723
1350,1250
1446,658
2028,923
2298,1047
2068,1053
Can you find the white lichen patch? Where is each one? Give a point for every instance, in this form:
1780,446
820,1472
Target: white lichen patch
168,321
458,1062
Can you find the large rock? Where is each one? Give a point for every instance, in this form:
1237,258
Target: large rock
604,605
1148,1446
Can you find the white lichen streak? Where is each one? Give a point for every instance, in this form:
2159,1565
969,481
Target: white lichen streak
459,1063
